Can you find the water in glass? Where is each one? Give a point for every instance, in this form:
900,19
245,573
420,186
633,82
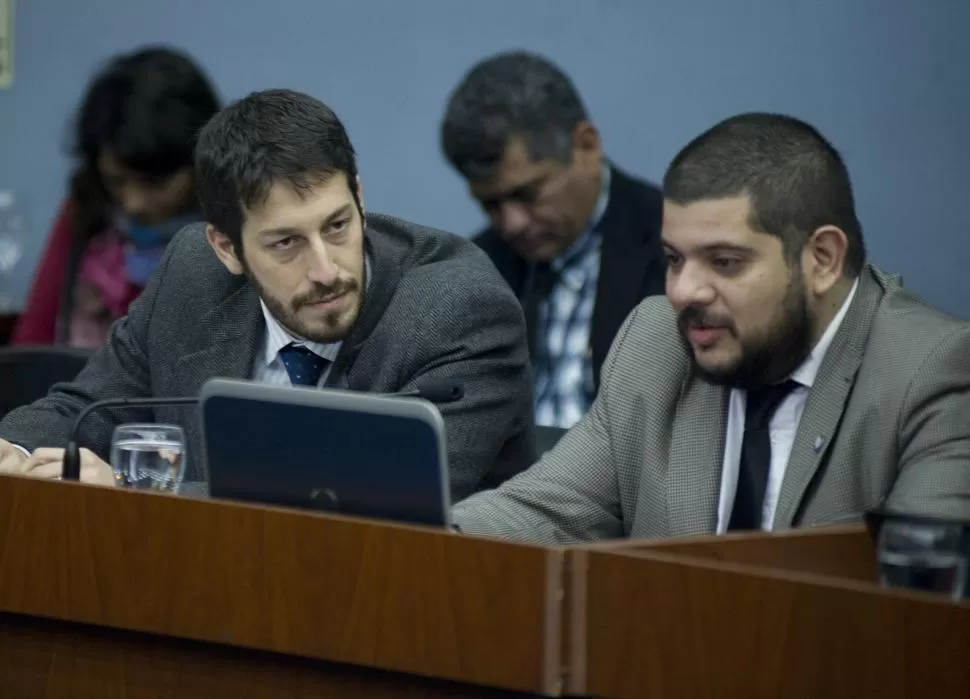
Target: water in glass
150,457
928,570
923,556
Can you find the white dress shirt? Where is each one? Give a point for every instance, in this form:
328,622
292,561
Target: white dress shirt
782,429
268,366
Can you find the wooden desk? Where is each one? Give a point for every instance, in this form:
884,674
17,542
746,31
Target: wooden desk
115,593
798,614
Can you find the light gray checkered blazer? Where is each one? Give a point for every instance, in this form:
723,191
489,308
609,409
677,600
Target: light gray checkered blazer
891,403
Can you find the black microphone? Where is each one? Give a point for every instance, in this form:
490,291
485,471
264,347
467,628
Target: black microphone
71,467
434,391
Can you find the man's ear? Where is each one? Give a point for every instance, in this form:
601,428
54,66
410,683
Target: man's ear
585,137
224,249
587,149
823,258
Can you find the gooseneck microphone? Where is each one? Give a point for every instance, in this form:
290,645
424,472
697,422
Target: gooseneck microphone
434,391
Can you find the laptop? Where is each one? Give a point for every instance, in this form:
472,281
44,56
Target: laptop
330,450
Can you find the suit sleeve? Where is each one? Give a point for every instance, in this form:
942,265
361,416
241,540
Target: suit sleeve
934,463
571,495
470,331
119,369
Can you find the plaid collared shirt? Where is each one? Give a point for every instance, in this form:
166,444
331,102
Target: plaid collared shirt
564,384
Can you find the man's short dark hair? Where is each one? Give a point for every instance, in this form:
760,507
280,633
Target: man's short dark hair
795,178
510,95
263,139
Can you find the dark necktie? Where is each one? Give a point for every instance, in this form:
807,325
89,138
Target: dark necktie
542,278
756,455
304,366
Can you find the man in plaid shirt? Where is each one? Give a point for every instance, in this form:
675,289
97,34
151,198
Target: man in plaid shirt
576,238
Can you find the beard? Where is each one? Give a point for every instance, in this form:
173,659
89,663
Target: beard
766,358
336,325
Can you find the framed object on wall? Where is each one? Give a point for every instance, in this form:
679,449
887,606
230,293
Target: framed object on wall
6,43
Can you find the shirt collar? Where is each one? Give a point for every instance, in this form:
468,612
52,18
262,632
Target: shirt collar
278,337
807,370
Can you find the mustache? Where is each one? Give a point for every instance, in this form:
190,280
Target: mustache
696,315
322,292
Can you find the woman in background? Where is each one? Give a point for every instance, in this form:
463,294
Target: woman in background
133,189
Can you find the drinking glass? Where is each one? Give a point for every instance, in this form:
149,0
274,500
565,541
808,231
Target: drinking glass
148,457
924,556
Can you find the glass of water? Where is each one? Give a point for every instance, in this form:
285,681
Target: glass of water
148,457
923,555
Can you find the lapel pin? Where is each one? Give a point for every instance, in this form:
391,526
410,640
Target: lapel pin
818,444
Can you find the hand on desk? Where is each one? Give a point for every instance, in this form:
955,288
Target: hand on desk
47,463
11,458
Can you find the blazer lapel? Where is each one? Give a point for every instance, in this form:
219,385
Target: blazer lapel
827,399
228,340
695,459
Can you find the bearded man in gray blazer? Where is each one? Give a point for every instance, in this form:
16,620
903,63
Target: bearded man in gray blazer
289,283
782,382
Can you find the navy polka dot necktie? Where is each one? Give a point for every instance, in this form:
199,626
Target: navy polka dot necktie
304,366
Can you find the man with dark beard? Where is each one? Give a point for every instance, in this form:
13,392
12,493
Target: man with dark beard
783,381
288,282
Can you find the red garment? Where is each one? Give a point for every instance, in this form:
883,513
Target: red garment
37,324
91,315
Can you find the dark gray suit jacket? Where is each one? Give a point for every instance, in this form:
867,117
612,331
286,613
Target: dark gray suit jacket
887,421
632,263
436,309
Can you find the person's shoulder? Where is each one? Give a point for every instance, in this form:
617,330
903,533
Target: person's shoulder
635,209
907,315
190,254
489,240
66,213
191,241
652,326
635,189
649,340
190,268
425,252
908,331
647,364
441,268
62,231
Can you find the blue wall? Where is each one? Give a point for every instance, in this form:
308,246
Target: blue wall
887,80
